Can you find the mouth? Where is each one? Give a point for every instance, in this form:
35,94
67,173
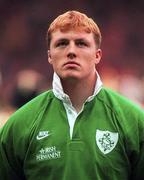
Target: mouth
71,64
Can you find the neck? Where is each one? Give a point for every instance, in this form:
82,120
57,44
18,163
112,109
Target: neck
79,91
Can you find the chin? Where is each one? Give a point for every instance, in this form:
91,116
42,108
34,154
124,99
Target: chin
70,74
69,77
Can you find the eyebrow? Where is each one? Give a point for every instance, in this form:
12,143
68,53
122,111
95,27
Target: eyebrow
60,40
65,39
82,39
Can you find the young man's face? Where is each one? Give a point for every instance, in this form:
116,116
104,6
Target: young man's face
73,54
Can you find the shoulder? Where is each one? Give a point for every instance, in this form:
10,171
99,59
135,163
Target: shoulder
27,115
35,105
118,103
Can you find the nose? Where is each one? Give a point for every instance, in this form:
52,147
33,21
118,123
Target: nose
71,51
71,55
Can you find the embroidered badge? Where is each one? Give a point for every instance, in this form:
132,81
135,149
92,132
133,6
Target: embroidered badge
48,153
106,140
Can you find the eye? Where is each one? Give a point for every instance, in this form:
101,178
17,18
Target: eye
62,43
81,43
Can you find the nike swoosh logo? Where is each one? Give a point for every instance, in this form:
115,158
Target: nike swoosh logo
39,137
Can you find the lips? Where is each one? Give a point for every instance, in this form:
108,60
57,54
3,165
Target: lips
71,63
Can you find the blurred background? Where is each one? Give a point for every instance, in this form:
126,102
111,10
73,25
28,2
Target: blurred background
24,71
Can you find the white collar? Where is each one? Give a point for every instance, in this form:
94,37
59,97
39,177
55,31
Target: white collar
59,92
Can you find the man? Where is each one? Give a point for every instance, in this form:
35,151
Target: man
79,130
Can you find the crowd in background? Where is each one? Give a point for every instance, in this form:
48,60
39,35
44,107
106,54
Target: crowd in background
24,70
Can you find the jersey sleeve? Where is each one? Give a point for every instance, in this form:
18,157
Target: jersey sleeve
138,159
10,166
15,138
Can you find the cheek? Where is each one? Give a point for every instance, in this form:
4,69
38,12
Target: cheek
89,54
53,56
56,61
56,55
90,58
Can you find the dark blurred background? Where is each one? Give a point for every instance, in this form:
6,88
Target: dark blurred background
24,71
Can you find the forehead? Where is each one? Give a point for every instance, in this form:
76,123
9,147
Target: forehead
72,34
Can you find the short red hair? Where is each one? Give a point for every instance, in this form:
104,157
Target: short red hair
74,20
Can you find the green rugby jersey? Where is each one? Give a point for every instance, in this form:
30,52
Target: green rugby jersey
107,141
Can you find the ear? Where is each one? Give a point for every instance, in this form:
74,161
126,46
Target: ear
49,57
98,55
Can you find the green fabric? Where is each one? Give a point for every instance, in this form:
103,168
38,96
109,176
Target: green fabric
57,157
